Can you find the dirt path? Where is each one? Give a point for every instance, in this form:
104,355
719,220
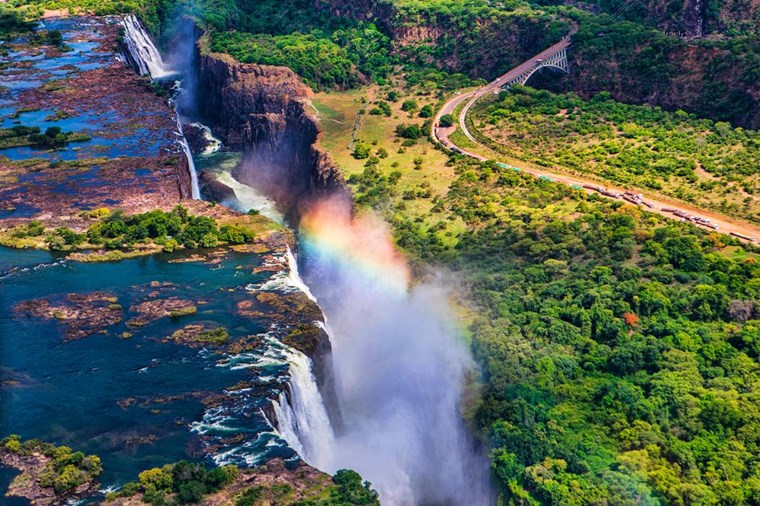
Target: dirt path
725,224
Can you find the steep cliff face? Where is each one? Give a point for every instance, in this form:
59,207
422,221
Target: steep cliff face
183,177
263,110
705,79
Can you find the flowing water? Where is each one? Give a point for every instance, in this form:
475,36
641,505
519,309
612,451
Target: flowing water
126,392
138,399
143,54
399,360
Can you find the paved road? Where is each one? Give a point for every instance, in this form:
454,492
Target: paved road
442,135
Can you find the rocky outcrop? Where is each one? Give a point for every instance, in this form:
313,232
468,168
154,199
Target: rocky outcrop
213,189
263,110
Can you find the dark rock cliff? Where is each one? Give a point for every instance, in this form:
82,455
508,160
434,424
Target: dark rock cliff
679,71
262,110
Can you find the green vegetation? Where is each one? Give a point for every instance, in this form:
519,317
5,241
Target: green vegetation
53,137
180,483
321,62
649,63
64,470
619,350
351,490
117,231
13,22
346,489
447,120
218,335
700,161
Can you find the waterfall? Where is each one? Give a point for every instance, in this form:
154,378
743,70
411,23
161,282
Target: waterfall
301,415
294,277
141,51
194,187
144,56
700,20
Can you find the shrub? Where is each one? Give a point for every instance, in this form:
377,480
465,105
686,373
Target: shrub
361,151
409,105
409,131
235,234
447,120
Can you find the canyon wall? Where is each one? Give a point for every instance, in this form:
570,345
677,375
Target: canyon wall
634,62
262,111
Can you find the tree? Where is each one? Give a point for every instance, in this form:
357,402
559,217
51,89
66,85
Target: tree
409,105
426,111
361,151
446,120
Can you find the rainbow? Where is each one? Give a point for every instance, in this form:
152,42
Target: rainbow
357,246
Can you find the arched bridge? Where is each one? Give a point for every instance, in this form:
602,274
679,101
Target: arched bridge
554,57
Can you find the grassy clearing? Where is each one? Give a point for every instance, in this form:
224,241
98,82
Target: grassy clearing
675,155
340,130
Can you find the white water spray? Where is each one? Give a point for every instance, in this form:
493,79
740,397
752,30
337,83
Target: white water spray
249,198
401,366
142,50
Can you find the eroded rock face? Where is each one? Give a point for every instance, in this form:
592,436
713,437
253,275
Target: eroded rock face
263,110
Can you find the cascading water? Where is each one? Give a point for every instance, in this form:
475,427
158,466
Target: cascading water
400,362
145,58
212,143
142,53
301,415
700,18
194,186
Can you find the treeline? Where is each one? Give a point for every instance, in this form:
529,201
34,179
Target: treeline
190,483
13,22
116,230
65,469
620,352
342,60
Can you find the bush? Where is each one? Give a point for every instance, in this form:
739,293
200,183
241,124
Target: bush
426,111
409,105
235,234
361,151
250,497
447,120
409,131
351,490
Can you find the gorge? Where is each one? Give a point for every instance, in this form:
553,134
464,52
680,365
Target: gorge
386,400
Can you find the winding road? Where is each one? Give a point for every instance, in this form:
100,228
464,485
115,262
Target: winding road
659,205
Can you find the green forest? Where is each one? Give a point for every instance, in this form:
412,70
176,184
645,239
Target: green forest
619,350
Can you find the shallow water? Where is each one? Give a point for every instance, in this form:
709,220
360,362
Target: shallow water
136,402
